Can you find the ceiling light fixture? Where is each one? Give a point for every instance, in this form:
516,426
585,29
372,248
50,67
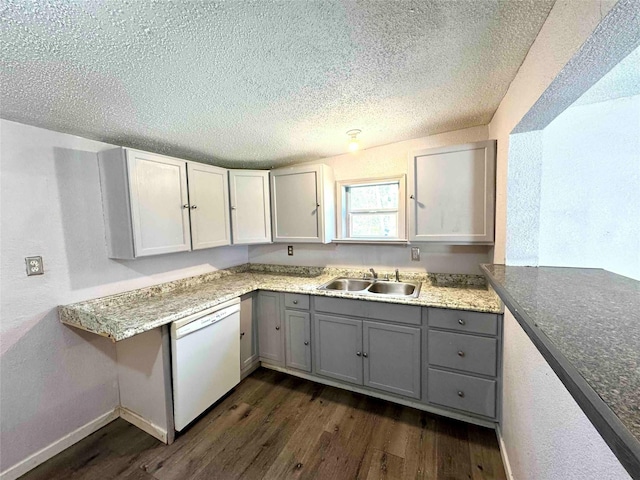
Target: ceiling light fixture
354,143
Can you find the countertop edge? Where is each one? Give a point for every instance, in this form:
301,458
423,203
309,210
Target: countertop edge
616,435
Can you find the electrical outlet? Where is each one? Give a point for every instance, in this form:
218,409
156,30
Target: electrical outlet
415,254
34,266
290,250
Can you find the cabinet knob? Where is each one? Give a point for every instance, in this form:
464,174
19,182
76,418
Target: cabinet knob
365,355
186,205
233,208
295,302
241,334
460,393
306,343
317,204
278,327
358,354
461,353
461,321
193,207
412,196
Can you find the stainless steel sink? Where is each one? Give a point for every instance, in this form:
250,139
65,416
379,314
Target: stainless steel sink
373,287
346,284
393,288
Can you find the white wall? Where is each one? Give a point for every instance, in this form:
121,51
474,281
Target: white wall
545,434
567,27
590,188
54,378
387,160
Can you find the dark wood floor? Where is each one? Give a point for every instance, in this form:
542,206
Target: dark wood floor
275,426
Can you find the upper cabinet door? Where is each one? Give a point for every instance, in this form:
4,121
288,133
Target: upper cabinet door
159,203
452,194
250,208
303,204
209,206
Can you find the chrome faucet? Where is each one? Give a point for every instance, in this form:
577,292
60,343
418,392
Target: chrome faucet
397,275
373,273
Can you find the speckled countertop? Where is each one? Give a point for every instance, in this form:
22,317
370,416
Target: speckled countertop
591,317
124,315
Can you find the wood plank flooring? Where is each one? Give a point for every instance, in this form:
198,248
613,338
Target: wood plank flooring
275,426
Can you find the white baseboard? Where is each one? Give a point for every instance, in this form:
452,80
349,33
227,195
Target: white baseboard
143,424
503,453
58,446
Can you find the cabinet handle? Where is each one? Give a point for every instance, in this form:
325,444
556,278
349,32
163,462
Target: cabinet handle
186,205
461,321
365,355
193,207
461,353
358,354
295,302
278,328
306,343
460,393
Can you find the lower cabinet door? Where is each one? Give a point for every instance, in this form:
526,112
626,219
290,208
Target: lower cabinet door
248,332
270,338
338,348
298,340
392,358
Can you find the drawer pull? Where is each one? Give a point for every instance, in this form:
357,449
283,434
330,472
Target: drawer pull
461,321
306,343
295,302
461,353
461,394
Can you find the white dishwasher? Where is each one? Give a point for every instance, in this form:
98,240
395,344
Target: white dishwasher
205,359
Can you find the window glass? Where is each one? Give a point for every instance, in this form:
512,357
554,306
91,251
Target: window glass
372,197
379,225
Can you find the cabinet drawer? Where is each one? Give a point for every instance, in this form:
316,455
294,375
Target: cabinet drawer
296,300
463,352
463,321
372,310
462,392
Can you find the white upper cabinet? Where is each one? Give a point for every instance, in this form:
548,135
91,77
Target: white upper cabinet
452,194
155,204
209,206
302,204
250,207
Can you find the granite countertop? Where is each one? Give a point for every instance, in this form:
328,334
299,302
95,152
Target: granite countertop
586,323
123,315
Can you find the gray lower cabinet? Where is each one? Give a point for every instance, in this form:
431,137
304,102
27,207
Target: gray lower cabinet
298,340
338,348
270,332
391,358
248,332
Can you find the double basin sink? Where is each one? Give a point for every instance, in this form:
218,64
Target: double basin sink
373,287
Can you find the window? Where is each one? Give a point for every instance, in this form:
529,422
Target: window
372,209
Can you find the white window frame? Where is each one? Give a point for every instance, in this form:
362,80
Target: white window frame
343,214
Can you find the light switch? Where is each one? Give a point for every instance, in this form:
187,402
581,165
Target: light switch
34,266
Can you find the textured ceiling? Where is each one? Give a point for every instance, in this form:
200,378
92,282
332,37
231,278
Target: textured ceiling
260,83
623,80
